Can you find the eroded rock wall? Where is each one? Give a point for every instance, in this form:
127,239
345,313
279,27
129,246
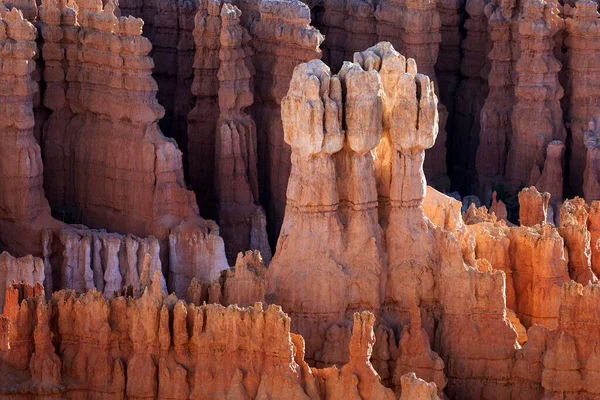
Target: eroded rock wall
110,165
166,348
24,210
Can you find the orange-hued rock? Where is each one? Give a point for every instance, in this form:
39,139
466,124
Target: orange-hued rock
594,228
551,178
109,163
24,211
416,356
231,132
533,206
417,262
591,183
28,269
154,346
495,118
540,267
570,361
574,230
412,27
583,30
414,388
537,67
498,208
282,38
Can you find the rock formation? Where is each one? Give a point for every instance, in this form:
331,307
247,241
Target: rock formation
405,273
110,164
448,65
591,174
26,269
224,85
495,120
24,211
470,97
574,230
85,259
550,179
537,92
583,28
168,350
388,284
533,206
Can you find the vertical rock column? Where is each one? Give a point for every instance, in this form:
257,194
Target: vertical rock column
537,116
203,119
283,38
591,173
24,211
583,67
312,233
421,40
470,97
574,230
118,169
496,128
448,65
242,219
28,269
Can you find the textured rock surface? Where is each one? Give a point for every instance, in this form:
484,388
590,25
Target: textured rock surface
24,211
583,29
110,165
224,85
381,275
28,269
537,92
318,225
83,259
165,348
496,128
470,97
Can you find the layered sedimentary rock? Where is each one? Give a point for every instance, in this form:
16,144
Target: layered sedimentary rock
110,165
449,60
495,119
169,350
282,39
574,230
470,97
143,9
224,85
591,174
523,81
413,257
538,92
170,29
583,30
550,178
28,269
85,259
533,206
24,211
